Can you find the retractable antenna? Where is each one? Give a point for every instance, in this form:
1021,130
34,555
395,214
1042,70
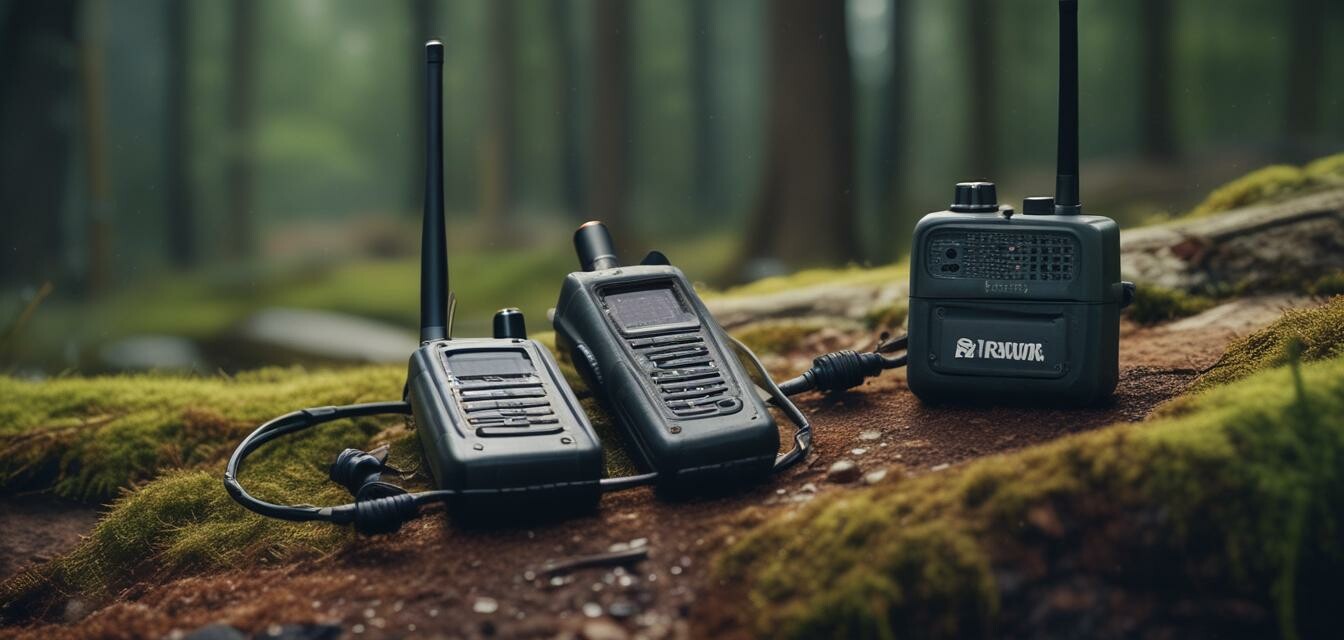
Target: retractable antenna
1066,178
435,299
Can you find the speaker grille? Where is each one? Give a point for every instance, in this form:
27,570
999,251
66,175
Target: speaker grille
987,255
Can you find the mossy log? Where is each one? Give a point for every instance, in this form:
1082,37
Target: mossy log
1281,246
846,296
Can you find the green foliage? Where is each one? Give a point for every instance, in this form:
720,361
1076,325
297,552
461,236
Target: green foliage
1328,285
1318,331
851,275
1273,183
891,316
1238,488
1153,304
776,336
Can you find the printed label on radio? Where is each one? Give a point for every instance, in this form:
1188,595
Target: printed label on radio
1000,350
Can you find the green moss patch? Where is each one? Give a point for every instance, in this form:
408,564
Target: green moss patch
1236,499
847,276
1318,332
1272,183
777,336
87,438
1153,304
1328,285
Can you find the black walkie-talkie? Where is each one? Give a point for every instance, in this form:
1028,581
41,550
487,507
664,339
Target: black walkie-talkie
664,369
1019,308
498,423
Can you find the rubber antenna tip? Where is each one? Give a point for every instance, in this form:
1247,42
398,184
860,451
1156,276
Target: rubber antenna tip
434,51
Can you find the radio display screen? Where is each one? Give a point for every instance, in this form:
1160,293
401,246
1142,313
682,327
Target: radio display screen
645,308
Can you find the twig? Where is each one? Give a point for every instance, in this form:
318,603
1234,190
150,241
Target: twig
613,558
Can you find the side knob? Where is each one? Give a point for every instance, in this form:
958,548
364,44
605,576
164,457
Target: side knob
975,197
1038,206
509,325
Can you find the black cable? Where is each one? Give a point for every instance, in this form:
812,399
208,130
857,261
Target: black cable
802,434
847,369
377,515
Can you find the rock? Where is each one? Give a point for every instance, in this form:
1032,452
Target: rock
325,335
216,631
1242,315
843,472
874,477
837,301
152,352
603,629
1267,247
485,605
870,436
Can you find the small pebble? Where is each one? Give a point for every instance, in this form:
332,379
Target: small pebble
940,467
603,629
874,477
844,471
870,436
808,488
858,452
485,605
592,609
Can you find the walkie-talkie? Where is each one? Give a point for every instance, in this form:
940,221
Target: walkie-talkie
503,435
1019,308
497,421
665,370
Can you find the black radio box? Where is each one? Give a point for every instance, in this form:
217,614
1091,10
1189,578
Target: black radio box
1010,308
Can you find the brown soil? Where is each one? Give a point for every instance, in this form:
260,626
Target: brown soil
437,579
34,528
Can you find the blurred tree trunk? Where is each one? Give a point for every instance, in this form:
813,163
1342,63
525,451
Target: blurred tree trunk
892,138
1159,138
566,61
1305,57
37,55
497,150
609,172
704,100
181,218
424,26
805,213
99,227
982,43
241,241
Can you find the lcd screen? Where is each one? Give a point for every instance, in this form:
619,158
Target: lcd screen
646,308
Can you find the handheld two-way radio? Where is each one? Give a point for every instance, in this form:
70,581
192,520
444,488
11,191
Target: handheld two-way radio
1019,308
672,379
501,430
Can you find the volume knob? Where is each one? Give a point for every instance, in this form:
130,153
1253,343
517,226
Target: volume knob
975,197
509,325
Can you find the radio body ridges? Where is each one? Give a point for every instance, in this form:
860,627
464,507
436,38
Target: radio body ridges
1022,308
666,373
500,426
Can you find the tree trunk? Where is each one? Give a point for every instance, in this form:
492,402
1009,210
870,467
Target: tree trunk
241,241
981,89
497,148
99,226
181,217
1305,56
609,173
892,138
805,212
704,100
565,60
37,54
1159,139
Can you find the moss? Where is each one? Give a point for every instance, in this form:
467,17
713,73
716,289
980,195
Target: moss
851,275
776,336
1319,331
891,316
1271,183
1153,304
1328,285
87,438
1238,493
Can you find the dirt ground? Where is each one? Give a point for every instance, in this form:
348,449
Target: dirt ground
436,579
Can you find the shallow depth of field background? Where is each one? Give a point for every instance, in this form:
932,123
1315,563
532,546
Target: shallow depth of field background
170,169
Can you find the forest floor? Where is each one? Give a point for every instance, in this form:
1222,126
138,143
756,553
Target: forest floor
436,577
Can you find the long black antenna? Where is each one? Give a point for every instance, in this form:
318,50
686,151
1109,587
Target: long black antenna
434,297
1066,178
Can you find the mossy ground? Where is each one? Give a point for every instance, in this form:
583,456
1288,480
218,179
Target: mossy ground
852,275
1153,304
1273,183
1238,491
1317,331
